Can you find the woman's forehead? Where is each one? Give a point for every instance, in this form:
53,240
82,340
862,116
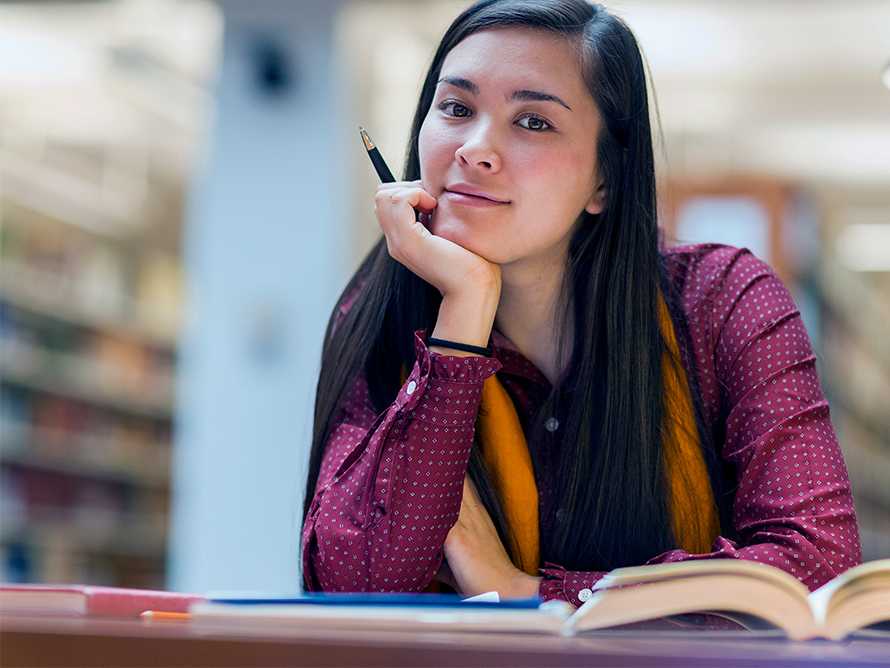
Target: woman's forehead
504,60
517,53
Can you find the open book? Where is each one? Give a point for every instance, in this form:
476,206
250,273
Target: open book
857,598
738,589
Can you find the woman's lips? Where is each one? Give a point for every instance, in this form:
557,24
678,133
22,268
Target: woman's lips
471,200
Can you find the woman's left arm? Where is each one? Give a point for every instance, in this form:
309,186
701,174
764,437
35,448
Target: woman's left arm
793,506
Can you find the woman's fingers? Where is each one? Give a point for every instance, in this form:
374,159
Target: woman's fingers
416,197
442,263
395,207
412,191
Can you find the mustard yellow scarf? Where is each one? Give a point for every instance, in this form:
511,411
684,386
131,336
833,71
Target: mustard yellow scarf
693,511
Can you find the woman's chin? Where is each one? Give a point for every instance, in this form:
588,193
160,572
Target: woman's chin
446,228
461,234
453,230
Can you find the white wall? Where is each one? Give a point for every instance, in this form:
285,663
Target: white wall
263,240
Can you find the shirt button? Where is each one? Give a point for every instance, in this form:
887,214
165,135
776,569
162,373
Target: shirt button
552,424
584,594
411,387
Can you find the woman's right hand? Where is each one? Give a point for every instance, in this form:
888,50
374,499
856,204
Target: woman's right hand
447,266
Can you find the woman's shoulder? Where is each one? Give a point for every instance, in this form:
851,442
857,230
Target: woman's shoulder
704,272
348,298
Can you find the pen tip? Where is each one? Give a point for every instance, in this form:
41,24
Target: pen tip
366,138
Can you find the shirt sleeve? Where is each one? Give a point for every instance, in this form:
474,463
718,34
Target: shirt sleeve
793,506
390,485
572,586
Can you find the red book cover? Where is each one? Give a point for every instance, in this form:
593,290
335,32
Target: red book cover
91,600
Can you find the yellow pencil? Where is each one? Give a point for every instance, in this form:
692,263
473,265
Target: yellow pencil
160,616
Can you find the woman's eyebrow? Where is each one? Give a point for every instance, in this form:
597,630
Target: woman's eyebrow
528,95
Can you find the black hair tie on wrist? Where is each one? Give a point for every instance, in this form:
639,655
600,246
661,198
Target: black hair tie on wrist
431,341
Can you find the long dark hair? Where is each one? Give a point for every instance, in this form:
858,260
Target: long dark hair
609,480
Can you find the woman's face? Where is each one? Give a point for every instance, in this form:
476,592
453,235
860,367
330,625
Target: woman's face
511,118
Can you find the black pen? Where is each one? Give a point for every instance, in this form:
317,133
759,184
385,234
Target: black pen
377,159
383,171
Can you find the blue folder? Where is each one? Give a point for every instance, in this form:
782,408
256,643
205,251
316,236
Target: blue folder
386,599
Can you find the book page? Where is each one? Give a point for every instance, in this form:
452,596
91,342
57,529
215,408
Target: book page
832,593
691,569
733,592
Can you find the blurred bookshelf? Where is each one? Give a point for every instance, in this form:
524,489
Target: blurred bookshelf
88,325
102,115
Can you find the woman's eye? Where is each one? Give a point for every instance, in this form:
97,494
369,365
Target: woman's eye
535,123
458,110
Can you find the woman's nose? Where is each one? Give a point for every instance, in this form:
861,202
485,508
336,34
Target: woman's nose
478,151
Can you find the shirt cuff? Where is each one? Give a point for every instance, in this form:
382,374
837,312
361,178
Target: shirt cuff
453,367
447,385
572,586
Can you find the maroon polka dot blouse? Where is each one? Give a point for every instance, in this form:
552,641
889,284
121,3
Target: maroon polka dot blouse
390,484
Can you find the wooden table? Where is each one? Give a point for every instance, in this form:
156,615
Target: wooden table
32,641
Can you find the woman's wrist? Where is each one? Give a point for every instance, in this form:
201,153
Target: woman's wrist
465,319
453,352
524,586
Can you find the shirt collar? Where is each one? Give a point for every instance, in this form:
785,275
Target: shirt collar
512,360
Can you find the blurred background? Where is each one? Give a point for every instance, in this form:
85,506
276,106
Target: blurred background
183,195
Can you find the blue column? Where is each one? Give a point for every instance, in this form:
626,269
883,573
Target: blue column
265,250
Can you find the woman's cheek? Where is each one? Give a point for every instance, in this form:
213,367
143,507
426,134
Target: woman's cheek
438,153
423,147
433,164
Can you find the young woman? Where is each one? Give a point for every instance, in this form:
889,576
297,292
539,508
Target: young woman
636,404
